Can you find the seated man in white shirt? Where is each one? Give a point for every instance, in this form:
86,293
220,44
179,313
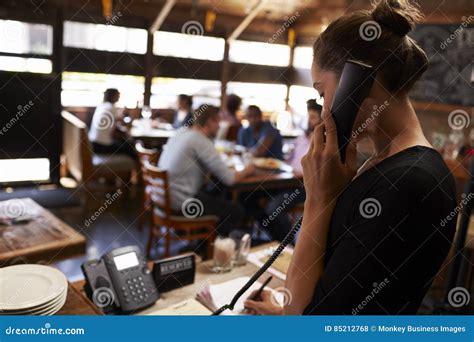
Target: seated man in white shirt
189,157
104,126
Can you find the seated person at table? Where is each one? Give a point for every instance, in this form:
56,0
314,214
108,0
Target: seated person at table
261,138
230,124
183,116
188,157
105,132
277,221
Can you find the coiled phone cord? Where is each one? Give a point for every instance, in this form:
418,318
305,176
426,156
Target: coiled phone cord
288,238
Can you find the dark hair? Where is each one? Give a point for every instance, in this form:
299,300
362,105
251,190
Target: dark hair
186,99
109,94
233,103
255,109
313,105
378,38
204,113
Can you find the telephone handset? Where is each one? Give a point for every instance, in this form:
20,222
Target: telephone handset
120,282
354,86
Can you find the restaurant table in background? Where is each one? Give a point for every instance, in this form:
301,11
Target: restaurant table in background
152,135
204,276
38,236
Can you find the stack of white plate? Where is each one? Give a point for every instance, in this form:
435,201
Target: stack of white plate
31,290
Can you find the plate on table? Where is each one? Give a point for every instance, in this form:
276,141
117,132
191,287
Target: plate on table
31,288
271,164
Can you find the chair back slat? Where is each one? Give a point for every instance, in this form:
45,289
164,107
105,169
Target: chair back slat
156,182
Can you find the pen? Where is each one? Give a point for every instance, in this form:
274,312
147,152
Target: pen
260,290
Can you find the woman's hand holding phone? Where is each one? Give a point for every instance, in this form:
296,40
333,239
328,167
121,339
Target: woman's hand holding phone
325,176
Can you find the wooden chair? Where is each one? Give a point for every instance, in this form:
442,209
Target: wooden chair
82,163
151,156
169,225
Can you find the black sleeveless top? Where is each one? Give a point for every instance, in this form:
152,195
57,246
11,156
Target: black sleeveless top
389,234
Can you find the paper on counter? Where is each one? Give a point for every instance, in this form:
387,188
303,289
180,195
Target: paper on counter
279,267
188,307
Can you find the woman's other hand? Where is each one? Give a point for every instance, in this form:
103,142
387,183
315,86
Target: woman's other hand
264,305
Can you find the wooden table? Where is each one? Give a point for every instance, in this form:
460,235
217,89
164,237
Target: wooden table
266,180
44,239
78,304
153,136
204,275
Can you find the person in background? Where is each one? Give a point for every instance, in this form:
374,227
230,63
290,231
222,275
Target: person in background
105,131
279,225
261,138
184,113
188,157
229,114
230,124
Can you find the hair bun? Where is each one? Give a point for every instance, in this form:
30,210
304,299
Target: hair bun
399,16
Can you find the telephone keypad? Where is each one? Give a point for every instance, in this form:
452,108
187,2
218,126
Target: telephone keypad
136,290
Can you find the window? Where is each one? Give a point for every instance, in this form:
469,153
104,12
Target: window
19,37
104,37
259,53
20,64
303,57
18,170
188,46
297,101
165,90
85,89
269,97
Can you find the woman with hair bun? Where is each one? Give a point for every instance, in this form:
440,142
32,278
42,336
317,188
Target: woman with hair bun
372,239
